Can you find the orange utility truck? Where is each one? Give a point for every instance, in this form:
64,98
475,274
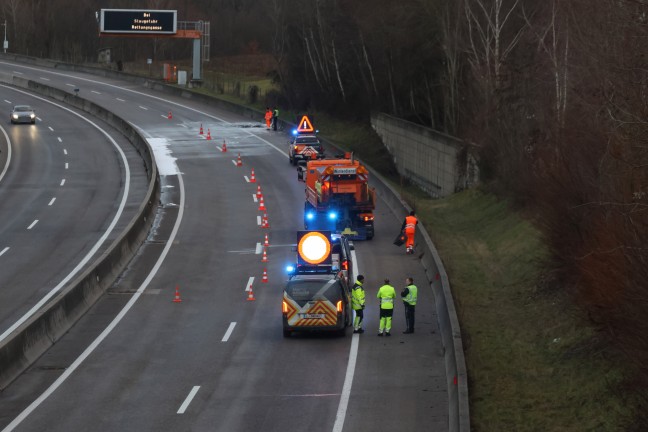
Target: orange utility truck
338,197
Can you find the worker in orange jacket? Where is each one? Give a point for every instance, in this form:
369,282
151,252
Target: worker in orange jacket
409,226
268,117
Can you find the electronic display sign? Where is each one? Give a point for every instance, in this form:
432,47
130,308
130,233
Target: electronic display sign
138,22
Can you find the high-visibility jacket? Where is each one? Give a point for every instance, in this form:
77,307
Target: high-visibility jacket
268,115
275,113
386,294
411,296
357,296
410,223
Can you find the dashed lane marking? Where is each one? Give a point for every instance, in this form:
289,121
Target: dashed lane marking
187,401
229,331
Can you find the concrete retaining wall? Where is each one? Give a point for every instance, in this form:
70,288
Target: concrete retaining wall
27,343
439,164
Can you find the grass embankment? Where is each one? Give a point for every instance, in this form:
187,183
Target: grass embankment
534,363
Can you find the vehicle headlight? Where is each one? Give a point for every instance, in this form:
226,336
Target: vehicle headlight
14,116
32,116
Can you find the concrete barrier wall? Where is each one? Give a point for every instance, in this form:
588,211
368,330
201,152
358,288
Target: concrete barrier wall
27,343
439,164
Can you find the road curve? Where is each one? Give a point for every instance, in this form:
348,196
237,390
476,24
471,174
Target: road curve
170,366
65,194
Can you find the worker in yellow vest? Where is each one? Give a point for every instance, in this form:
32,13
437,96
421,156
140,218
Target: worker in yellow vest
386,295
409,295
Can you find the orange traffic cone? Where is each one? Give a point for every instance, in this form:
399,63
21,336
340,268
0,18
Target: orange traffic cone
264,222
224,149
250,296
267,223
201,129
264,279
259,194
252,177
262,206
239,162
208,137
266,242
177,298
265,256
170,116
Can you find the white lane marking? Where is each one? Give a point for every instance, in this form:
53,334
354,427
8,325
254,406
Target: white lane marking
64,151
6,167
50,128
120,100
229,331
254,198
44,79
95,92
258,220
4,250
249,284
66,165
104,334
246,179
52,201
8,101
32,224
234,162
144,108
164,116
16,72
59,139
104,236
187,401
39,119
259,249
182,125
70,85
348,377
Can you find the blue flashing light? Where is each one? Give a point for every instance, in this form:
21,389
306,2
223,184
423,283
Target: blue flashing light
295,132
290,269
332,215
310,216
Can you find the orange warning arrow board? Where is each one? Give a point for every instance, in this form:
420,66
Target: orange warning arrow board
305,125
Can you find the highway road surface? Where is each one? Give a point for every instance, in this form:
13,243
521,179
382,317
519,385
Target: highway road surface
137,361
68,186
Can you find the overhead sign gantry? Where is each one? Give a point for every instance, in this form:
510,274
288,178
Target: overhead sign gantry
138,22
157,23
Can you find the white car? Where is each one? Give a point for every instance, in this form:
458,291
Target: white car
23,114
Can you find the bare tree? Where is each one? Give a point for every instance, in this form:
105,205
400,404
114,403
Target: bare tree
487,21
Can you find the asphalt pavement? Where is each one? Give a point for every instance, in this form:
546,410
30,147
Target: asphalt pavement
216,361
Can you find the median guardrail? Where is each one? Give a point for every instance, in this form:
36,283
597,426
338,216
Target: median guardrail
28,342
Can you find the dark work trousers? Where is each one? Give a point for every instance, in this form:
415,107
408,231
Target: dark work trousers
409,316
274,123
